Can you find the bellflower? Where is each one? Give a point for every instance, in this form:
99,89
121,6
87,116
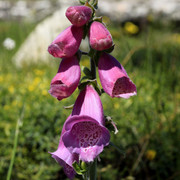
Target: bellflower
114,78
65,158
99,37
67,78
66,43
79,15
85,132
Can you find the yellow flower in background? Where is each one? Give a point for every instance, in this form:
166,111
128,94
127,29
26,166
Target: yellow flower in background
16,103
150,18
6,107
31,88
150,154
1,79
116,105
11,89
176,38
37,80
8,76
131,28
44,92
38,72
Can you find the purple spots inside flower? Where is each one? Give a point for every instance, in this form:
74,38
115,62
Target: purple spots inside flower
87,134
123,85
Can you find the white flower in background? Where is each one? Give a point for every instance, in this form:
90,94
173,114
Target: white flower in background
9,43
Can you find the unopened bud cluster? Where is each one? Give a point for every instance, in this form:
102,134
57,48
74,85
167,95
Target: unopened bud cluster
84,134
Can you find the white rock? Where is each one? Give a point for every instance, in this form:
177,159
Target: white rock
35,46
39,5
20,9
4,5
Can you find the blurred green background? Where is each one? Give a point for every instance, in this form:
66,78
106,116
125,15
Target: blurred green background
147,123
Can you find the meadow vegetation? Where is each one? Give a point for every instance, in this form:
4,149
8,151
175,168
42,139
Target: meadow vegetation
147,123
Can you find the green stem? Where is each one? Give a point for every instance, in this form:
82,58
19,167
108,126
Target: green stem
19,121
93,69
91,173
93,170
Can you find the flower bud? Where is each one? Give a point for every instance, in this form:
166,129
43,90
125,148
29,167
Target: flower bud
79,15
67,79
66,43
99,37
114,78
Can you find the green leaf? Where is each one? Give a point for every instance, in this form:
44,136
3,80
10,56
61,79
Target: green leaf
80,168
83,166
110,49
82,85
89,5
84,78
77,168
87,71
99,19
82,1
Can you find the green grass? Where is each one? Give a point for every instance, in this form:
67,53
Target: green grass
148,121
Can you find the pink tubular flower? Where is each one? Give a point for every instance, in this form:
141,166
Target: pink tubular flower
79,15
85,132
99,37
67,78
67,43
114,78
65,158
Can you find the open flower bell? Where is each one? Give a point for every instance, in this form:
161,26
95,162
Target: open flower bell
114,78
67,78
99,37
65,158
66,43
79,15
85,133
